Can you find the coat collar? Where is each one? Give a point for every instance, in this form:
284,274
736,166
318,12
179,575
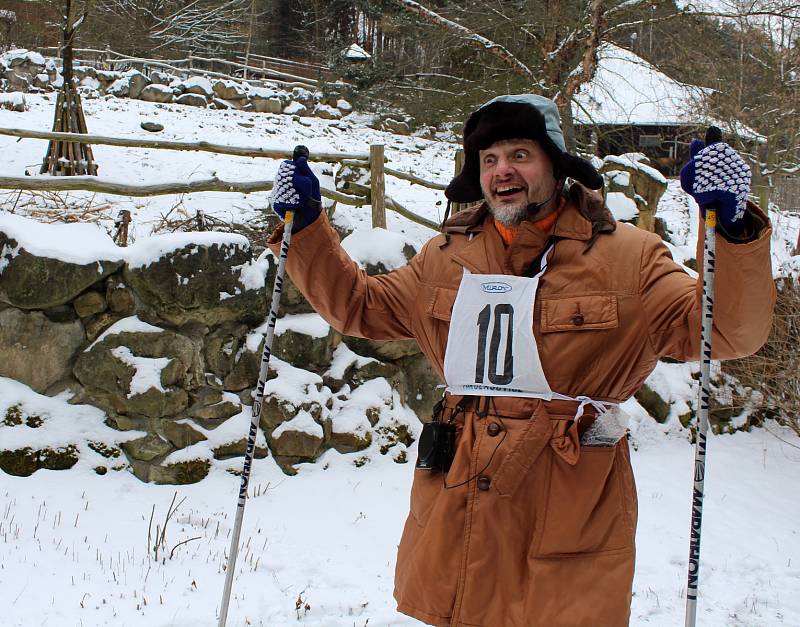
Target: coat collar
485,252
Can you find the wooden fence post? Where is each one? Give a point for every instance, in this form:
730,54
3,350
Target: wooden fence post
377,183
459,165
122,222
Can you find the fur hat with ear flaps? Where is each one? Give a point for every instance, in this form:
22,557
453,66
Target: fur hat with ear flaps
523,116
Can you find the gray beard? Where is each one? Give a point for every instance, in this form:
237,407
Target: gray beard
509,216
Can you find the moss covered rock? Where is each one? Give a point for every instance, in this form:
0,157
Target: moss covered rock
35,350
25,274
107,372
202,283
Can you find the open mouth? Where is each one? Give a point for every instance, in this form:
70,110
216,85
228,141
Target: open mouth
508,191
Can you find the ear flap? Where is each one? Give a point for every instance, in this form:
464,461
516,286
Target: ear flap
466,188
580,170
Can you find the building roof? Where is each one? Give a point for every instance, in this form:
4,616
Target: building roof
626,89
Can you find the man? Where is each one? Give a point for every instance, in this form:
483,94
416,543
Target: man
542,315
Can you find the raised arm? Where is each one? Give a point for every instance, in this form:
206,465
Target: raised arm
354,303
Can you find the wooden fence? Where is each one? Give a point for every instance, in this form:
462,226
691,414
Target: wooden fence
375,161
786,193
281,72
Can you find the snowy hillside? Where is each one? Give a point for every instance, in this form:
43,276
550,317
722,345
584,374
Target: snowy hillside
78,548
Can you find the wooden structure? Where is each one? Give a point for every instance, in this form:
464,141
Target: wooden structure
68,158
375,161
281,72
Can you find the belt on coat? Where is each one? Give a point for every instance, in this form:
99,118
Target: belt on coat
535,436
485,406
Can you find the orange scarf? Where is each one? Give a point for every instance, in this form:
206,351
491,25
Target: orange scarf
508,233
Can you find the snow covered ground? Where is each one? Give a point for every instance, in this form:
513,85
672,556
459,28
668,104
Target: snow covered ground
318,549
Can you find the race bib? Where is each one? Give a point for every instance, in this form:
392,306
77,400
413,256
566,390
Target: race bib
491,349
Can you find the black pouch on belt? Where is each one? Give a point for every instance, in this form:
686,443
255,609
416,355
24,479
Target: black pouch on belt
436,445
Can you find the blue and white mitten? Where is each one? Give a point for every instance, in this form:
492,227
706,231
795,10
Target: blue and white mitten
716,176
296,189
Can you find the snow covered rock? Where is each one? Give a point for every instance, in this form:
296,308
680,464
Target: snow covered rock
146,373
228,90
344,106
156,93
136,83
66,258
41,81
13,101
207,278
199,85
119,88
299,438
192,100
306,340
36,350
266,105
179,473
646,184
327,112
398,127
295,108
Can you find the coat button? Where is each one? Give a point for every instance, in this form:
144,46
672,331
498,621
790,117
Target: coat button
484,482
493,429
577,320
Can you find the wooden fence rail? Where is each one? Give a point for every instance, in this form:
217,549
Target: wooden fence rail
374,161
196,65
201,146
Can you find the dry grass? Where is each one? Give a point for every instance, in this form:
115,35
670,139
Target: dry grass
773,373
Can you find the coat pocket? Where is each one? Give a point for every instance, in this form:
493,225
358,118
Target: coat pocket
424,490
440,302
589,507
586,312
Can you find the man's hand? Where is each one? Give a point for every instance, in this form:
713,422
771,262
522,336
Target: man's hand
296,189
717,177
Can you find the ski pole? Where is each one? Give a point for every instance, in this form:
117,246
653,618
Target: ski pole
713,135
299,151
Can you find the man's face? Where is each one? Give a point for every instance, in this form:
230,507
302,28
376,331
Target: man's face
513,174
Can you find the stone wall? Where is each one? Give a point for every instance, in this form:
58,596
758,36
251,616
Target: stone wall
24,71
165,337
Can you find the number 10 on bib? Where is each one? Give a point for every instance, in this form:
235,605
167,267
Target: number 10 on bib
491,349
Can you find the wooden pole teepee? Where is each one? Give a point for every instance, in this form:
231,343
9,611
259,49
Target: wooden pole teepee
69,158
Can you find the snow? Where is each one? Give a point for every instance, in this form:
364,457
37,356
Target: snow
622,207
373,246
343,358
626,89
619,177
62,424
253,275
308,324
80,243
131,324
295,108
629,160
356,52
149,250
18,56
14,100
147,373
200,82
74,545
303,422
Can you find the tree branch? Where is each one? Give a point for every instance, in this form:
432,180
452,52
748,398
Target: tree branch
469,36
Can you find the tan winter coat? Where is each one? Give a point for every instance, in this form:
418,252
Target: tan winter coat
544,537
